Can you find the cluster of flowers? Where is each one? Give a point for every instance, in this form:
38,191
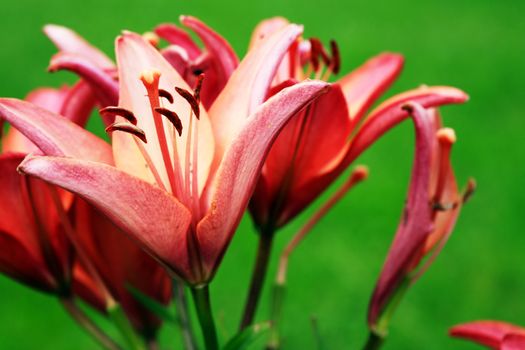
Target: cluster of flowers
197,137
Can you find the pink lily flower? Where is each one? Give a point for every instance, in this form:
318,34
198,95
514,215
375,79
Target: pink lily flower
496,335
431,211
183,175
321,141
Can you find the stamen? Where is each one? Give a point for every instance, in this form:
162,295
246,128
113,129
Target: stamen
469,191
198,87
129,128
318,50
172,117
166,95
446,137
113,111
152,38
150,79
336,57
314,59
188,96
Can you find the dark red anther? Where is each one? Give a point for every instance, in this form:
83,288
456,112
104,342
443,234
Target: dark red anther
319,50
198,87
336,57
166,95
314,59
188,96
113,111
172,117
129,128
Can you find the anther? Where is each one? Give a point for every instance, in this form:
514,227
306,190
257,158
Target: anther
113,111
128,128
151,38
198,87
172,117
188,96
336,57
469,191
166,95
318,50
314,60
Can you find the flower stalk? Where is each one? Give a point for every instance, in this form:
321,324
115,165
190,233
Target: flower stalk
260,268
183,316
201,298
88,325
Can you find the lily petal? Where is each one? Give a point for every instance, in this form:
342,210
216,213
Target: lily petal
104,86
48,98
68,41
152,217
53,134
266,28
513,342
416,223
178,37
216,45
239,169
365,84
134,56
248,86
488,333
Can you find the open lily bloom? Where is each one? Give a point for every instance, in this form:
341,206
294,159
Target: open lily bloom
432,207
496,335
321,141
35,249
183,175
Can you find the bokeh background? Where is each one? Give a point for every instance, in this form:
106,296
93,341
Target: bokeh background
478,46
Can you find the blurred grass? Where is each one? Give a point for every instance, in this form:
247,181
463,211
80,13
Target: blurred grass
475,45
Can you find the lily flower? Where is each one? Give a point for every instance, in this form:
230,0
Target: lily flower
321,141
432,207
183,175
496,335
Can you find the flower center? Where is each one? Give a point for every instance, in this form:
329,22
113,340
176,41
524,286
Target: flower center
182,178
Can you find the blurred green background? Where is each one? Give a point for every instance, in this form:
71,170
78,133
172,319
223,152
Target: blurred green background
478,46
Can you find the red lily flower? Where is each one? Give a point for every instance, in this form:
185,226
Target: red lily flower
321,141
182,194
35,250
493,334
429,216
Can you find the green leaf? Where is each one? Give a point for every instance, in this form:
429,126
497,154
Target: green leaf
152,305
247,336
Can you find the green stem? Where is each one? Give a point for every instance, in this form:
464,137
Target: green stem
126,329
183,315
88,325
278,294
375,341
262,260
201,298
